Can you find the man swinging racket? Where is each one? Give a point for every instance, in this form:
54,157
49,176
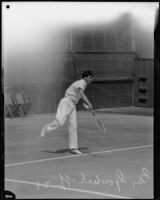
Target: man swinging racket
67,109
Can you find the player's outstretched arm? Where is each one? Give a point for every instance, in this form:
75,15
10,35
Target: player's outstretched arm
85,99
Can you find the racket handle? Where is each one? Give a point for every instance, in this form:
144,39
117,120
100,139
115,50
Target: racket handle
93,113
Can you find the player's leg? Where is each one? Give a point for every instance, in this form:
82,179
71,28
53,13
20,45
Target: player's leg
63,110
72,129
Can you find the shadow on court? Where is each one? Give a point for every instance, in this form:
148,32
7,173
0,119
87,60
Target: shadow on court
61,151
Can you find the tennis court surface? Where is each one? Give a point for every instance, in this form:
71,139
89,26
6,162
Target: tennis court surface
117,163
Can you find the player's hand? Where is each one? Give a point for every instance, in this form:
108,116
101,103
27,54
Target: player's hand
88,107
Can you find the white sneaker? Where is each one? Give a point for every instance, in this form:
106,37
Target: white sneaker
43,131
75,151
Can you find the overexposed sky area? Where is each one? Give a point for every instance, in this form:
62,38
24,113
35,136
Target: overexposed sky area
28,21
33,31
63,13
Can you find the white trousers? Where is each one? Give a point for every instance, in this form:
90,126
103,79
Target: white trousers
66,110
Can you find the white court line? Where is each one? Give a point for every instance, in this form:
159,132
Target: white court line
105,109
71,156
64,188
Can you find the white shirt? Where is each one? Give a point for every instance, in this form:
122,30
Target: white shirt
73,93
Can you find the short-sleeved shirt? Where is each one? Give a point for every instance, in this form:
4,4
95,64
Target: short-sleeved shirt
73,93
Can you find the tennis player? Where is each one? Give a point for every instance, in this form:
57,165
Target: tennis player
67,110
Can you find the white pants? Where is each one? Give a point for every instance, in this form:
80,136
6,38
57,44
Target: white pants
66,110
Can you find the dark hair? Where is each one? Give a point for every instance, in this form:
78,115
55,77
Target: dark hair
87,73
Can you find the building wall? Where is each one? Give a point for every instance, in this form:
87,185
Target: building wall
112,87
44,72
144,80
117,83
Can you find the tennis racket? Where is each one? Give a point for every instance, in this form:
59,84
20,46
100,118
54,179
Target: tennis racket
98,122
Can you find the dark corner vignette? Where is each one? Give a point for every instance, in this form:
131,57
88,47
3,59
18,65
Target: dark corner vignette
156,105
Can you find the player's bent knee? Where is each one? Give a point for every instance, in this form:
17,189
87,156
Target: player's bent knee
59,123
